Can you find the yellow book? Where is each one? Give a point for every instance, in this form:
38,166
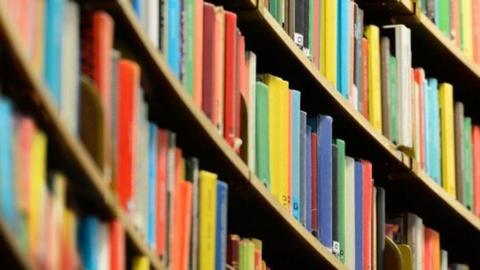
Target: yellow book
278,95
372,34
59,200
467,33
140,263
328,32
37,191
208,209
447,129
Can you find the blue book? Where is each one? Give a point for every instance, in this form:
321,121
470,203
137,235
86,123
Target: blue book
436,146
303,167
137,6
7,191
53,48
322,126
152,184
221,233
426,125
173,49
295,152
308,179
343,47
88,245
358,214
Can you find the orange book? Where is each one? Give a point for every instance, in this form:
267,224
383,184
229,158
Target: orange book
187,191
198,53
182,225
97,42
431,250
129,85
117,246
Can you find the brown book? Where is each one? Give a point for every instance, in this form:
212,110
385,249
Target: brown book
459,152
233,250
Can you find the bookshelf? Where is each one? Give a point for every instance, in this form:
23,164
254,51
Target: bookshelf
249,198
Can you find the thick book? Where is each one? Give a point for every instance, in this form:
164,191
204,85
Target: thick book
329,41
372,33
262,136
359,215
476,169
459,152
295,153
221,226
232,94
213,63
468,169
129,76
431,249
448,140
208,209
322,126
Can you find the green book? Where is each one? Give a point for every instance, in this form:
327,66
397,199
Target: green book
281,11
468,172
393,100
189,39
339,198
443,16
242,255
250,255
273,8
262,162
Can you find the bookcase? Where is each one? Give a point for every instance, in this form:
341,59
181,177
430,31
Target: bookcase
253,210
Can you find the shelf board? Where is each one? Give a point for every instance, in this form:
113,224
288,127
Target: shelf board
208,145
86,178
12,256
432,50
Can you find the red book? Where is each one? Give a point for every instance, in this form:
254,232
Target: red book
242,90
187,192
419,75
476,30
315,51
25,132
364,90
97,30
117,246
431,250
476,169
455,22
231,90
198,53
314,218
129,85
367,214
161,203
233,250
213,63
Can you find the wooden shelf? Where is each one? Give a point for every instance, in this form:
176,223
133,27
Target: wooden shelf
12,256
86,178
450,63
247,196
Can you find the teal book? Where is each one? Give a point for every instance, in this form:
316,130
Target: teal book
468,167
188,45
344,47
394,134
262,162
436,146
339,197
295,152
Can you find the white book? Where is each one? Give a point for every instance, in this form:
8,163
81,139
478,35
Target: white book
443,260
415,239
252,79
103,246
70,67
350,213
151,20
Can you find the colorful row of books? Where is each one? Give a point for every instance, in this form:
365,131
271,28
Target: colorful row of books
417,245
245,253
34,205
457,19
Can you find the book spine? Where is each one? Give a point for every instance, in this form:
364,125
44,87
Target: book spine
295,153
221,226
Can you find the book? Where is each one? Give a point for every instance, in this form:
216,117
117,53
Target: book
442,16
380,203
173,50
467,33
88,247
476,169
233,250
329,40
339,186
303,168
358,54
350,224
309,164
250,144
344,47
232,91
140,262
385,84
367,186
207,231
456,20
221,226
117,246
188,45
448,144
7,186
262,150
476,34
295,152
314,222
359,215
459,152
372,33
